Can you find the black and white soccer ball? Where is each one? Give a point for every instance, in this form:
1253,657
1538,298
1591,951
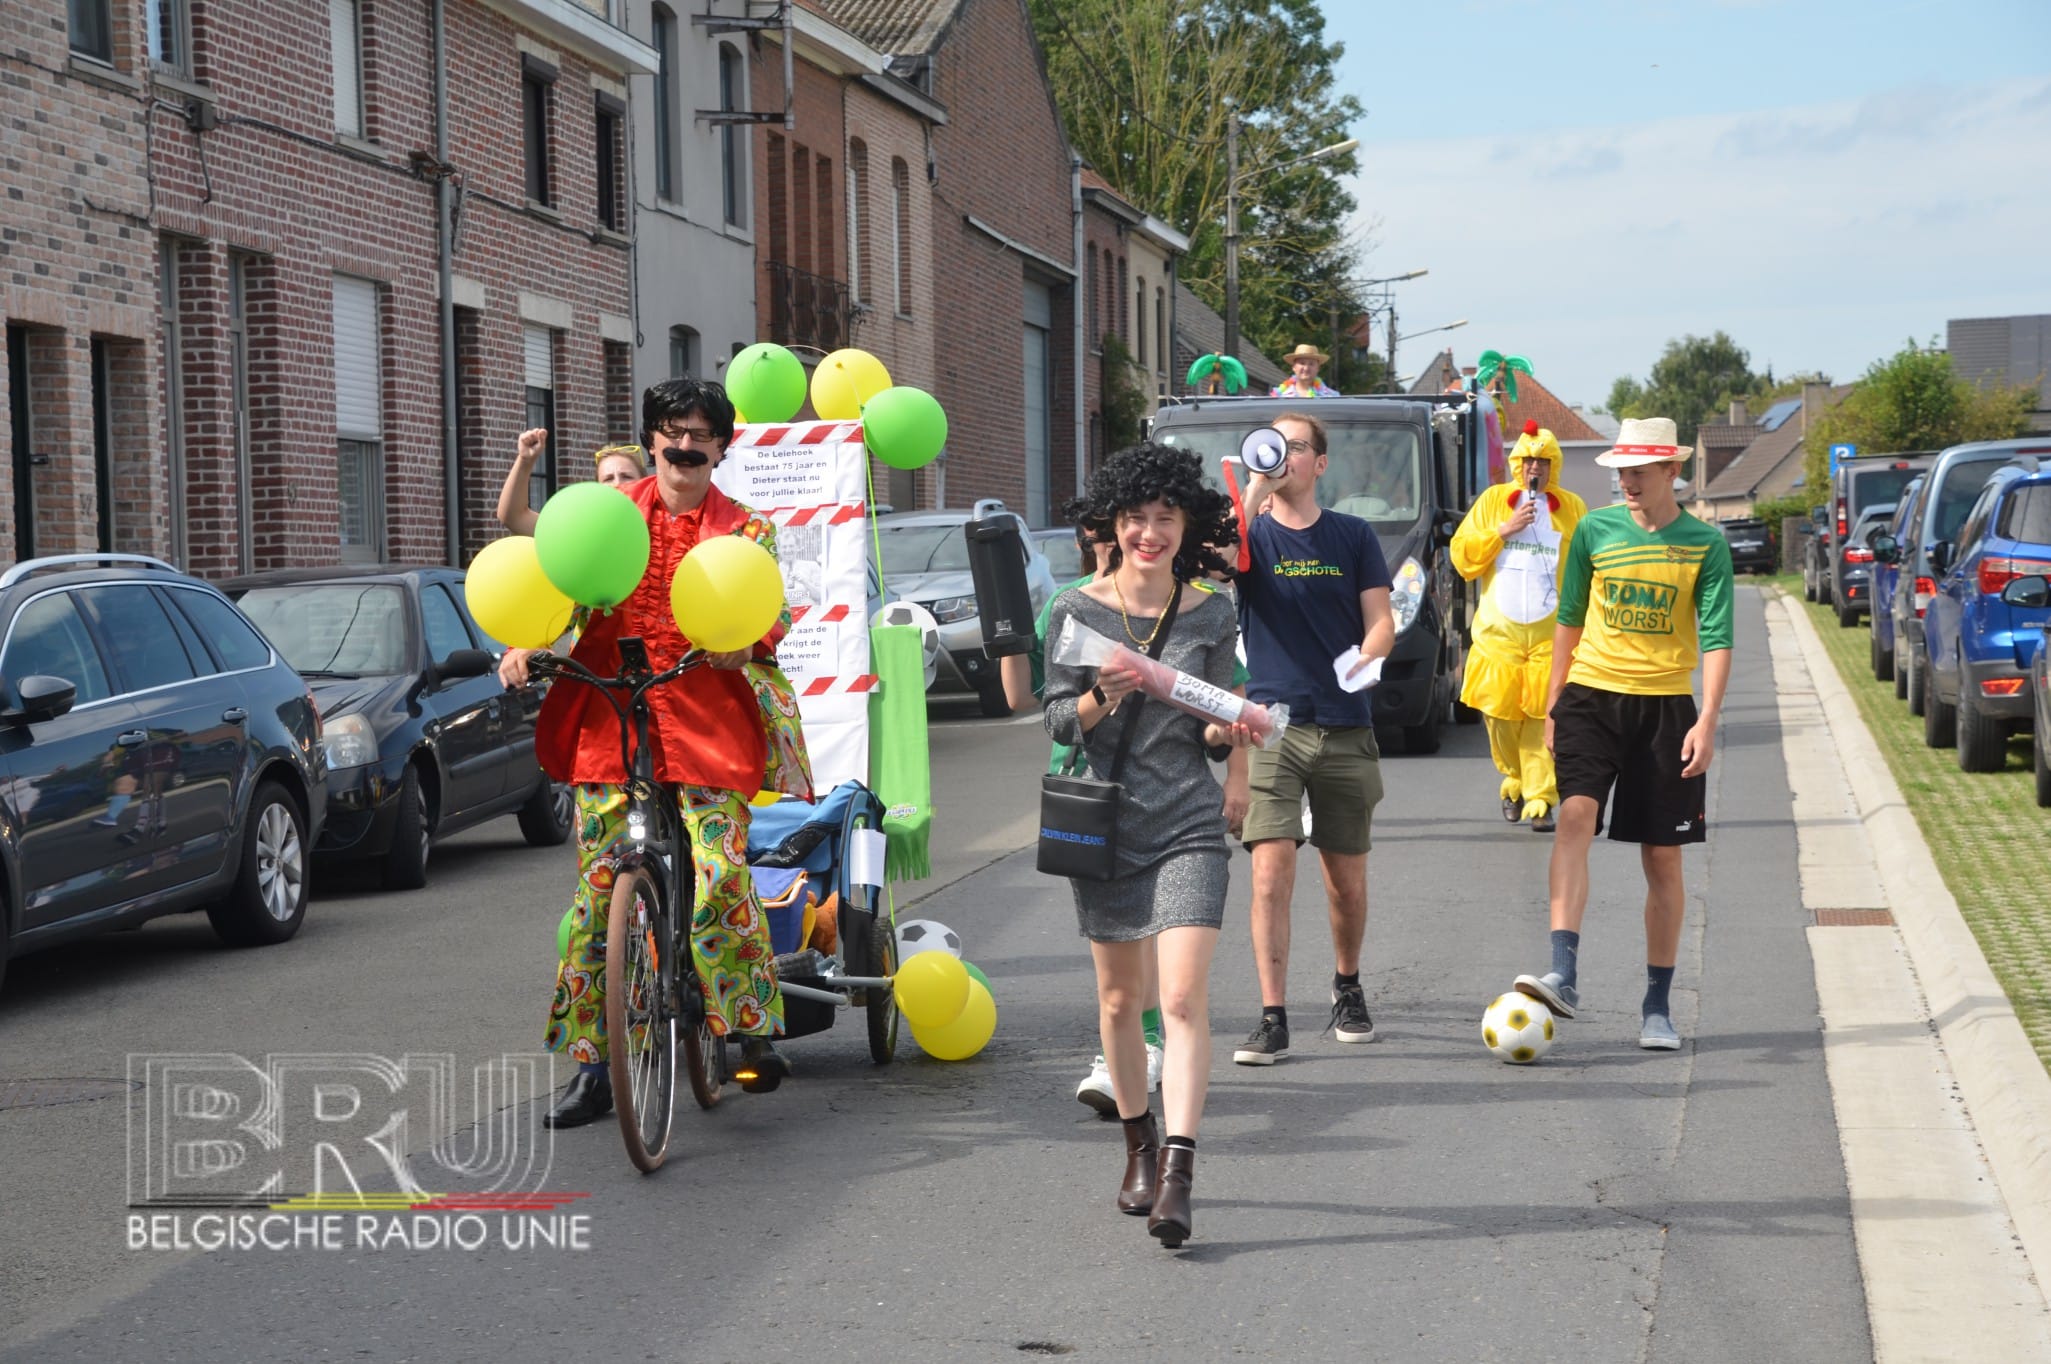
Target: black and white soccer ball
926,935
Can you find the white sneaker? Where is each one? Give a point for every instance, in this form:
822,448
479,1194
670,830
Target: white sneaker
1096,1091
1155,1058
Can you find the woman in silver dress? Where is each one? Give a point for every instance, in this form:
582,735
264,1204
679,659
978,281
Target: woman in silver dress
1173,819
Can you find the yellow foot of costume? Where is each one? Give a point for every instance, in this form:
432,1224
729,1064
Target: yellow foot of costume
1541,816
1513,800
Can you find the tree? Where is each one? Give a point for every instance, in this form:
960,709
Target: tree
1915,400
1693,379
1146,88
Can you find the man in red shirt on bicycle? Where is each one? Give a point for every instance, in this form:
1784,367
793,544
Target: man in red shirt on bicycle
721,733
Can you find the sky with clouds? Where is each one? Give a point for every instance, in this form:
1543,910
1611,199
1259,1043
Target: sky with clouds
1586,180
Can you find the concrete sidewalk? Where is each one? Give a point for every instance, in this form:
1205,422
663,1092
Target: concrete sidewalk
1944,1111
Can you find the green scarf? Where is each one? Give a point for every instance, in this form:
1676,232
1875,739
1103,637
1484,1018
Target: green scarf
900,763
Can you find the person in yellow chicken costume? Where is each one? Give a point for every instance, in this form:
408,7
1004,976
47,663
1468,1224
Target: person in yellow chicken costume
1515,542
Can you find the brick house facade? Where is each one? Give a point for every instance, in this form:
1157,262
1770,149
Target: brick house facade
221,272
1005,262
1129,286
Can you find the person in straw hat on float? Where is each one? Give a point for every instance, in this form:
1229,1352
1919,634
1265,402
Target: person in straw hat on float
1646,592
1304,363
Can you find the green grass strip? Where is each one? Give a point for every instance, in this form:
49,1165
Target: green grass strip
1984,828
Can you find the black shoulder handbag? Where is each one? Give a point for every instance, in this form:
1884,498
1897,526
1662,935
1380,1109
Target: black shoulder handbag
1079,815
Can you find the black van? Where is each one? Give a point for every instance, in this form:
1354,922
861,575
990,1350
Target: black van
1408,465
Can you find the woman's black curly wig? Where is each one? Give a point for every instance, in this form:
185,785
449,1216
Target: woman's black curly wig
1147,472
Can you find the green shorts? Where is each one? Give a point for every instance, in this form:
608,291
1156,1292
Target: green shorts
1341,770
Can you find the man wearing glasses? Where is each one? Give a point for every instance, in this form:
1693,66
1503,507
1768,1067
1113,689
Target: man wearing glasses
722,733
1313,585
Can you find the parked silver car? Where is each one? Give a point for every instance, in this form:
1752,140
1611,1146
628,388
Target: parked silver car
926,560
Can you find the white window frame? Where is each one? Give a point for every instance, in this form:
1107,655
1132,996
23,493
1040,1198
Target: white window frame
176,16
345,48
359,415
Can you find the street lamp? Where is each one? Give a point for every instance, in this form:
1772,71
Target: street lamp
1388,305
1426,332
1233,175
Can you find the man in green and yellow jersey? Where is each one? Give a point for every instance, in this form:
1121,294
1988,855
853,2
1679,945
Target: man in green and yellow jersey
1646,593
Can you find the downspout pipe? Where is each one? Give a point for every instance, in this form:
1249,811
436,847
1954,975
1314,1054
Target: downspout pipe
444,196
1076,296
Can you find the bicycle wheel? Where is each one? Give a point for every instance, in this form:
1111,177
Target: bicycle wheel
704,1054
640,1024
882,1000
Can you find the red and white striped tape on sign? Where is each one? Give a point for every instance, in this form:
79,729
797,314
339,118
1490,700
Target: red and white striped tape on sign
831,613
830,686
830,514
800,433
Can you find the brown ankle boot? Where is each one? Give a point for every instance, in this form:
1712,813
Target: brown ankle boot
1142,1164
1170,1221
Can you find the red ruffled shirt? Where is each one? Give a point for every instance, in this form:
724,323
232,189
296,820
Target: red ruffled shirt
706,726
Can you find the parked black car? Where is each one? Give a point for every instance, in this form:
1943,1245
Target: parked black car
1751,544
1866,481
1854,591
421,739
156,755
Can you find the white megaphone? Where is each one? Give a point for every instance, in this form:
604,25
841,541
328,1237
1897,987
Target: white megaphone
1264,451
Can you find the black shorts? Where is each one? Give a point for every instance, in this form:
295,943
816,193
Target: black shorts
1604,739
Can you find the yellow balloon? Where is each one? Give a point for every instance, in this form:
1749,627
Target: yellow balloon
931,988
970,1031
740,417
727,593
844,381
510,597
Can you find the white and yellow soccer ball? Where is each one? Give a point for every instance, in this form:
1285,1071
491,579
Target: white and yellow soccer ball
1517,1028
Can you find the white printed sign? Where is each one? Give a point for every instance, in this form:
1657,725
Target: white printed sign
810,479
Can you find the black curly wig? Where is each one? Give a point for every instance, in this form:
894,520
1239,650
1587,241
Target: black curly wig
1147,472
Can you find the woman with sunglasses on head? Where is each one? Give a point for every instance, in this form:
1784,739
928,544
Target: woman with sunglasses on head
618,466
721,732
1168,891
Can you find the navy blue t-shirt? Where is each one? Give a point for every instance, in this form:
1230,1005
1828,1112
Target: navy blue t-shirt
1299,608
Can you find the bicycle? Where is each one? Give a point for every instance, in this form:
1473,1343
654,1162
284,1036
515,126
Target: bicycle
653,996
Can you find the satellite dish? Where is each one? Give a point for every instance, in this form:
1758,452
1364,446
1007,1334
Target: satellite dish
911,613
1264,451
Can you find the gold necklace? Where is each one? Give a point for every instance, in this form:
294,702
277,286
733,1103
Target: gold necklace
1148,642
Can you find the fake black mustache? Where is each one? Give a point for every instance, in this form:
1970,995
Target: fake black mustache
686,458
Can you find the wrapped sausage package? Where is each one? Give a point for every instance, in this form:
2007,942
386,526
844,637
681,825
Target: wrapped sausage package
1081,647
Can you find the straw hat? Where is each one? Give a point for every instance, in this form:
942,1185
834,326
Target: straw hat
1306,351
1645,440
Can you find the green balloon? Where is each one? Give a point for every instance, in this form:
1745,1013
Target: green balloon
592,543
976,973
767,382
562,936
904,427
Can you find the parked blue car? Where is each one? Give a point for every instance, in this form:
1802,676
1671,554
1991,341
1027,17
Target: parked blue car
1881,619
1979,643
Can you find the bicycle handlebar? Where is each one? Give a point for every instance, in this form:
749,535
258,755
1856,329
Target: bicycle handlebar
624,691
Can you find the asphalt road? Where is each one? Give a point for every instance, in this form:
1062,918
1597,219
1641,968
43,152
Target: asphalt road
1409,1200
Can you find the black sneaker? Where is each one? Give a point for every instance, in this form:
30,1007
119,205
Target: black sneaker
1350,1022
1268,1044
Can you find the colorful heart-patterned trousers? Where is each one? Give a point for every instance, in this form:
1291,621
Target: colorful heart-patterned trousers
729,933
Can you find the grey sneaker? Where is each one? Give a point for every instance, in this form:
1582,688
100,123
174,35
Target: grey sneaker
1350,1022
1551,991
1657,1033
1268,1044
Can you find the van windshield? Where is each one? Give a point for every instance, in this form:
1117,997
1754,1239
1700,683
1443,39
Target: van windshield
1377,470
